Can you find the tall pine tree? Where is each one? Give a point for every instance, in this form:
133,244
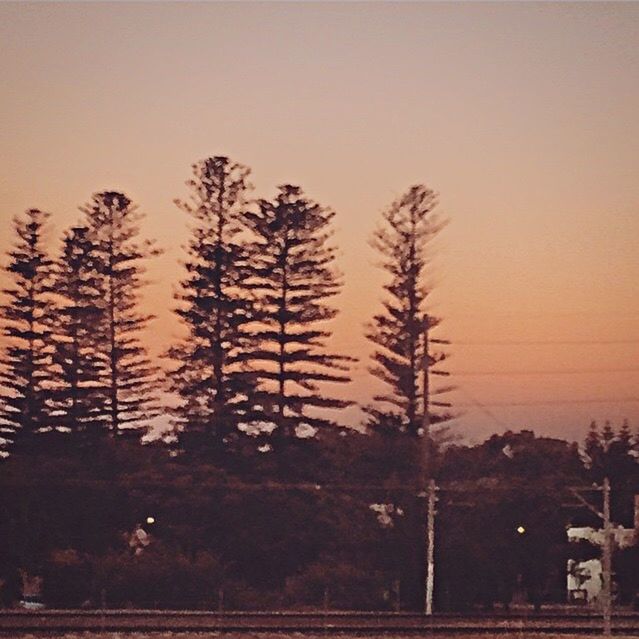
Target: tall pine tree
25,370
294,277
113,222
409,224
212,380
79,330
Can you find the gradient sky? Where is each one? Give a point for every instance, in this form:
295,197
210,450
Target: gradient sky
524,117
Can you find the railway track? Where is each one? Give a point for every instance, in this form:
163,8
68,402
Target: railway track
58,621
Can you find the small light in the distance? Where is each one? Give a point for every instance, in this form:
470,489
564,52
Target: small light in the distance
521,530
150,520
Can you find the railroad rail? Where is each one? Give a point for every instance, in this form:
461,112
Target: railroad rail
59,621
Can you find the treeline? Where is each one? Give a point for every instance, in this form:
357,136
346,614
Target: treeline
262,498
342,528
255,302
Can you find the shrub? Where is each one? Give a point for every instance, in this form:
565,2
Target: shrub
67,579
158,578
347,587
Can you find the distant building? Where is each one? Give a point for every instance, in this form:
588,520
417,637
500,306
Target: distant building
584,579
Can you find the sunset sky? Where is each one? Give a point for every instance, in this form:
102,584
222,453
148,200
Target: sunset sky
524,117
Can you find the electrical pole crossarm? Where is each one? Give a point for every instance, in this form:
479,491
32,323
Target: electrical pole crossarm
587,504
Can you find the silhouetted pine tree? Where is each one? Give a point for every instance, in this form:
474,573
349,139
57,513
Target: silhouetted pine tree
25,373
612,454
294,276
113,223
79,331
408,226
212,381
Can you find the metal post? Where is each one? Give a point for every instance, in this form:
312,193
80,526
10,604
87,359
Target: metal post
607,560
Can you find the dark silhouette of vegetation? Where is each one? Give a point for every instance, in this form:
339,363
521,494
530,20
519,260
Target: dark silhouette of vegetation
24,410
212,379
325,516
113,223
512,482
293,277
610,453
80,362
342,531
614,454
409,224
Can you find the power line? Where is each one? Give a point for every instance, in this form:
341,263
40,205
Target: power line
567,342
553,402
537,314
482,407
568,371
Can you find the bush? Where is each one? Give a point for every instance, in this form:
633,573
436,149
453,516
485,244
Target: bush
238,595
158,578
348,587
67,579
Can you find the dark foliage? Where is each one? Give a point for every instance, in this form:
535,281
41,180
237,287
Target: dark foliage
512,481
212,379
335,519
25,370
113,223
81,363
343,532
294,276
614,454
409,224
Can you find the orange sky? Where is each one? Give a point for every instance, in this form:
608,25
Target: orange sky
524,117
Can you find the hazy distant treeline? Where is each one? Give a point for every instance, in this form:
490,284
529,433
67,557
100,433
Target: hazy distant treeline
254,297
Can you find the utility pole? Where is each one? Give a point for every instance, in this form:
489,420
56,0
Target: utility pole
428,479
430,553
607,560
607,548
427,475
